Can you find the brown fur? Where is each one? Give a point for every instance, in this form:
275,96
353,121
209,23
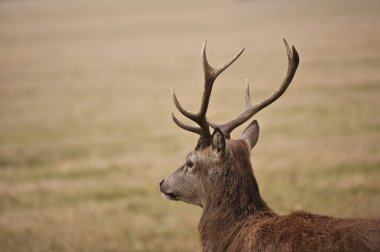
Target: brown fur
235,218
218,176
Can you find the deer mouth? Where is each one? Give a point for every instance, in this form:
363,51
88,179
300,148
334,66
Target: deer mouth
170,196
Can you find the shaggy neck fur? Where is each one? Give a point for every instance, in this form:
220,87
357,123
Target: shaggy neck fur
232,196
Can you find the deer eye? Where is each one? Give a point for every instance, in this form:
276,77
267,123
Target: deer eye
189,164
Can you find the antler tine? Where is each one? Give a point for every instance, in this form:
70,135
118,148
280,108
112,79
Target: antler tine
182,110
186,127
210,74
293,61
248,102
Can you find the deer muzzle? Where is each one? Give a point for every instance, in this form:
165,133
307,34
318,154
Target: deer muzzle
166,191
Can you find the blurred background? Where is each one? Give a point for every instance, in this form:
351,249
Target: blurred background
85,126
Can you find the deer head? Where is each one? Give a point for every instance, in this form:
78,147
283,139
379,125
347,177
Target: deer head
218,166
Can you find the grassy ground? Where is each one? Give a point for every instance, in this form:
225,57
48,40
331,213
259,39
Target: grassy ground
85,128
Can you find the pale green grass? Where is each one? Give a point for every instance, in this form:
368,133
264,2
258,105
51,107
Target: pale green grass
85,127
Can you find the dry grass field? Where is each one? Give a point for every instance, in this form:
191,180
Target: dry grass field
85,103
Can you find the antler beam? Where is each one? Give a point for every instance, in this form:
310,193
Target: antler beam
210,74
293,61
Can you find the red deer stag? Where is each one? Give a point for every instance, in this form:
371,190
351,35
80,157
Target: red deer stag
218,177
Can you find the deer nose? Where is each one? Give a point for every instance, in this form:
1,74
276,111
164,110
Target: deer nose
161,182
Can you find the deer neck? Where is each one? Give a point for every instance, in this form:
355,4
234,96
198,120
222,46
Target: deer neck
233,197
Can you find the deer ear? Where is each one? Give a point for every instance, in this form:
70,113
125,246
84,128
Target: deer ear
218,141
251,134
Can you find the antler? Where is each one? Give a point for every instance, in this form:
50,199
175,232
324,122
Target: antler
210,74
293,61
